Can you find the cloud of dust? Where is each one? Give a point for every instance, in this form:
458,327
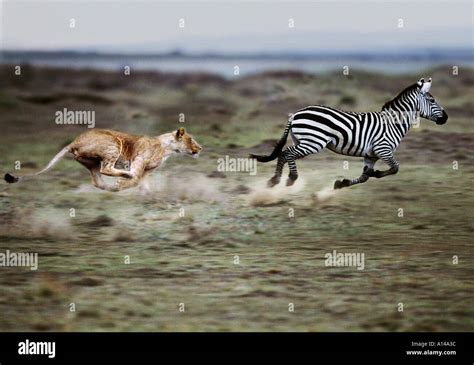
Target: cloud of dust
31,224
202,188
325,194
57,227
261,195
86,188
187,187
195,187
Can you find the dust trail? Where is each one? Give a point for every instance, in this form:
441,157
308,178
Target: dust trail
87,188
51,224
41,223
325,194
261,195
191,187
187,187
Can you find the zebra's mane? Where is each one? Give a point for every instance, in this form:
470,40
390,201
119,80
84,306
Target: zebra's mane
407,90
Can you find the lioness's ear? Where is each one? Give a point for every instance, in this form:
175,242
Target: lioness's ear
179,133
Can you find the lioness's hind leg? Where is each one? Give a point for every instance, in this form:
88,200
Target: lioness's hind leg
137,170
89,163
98,182
105,162
108,168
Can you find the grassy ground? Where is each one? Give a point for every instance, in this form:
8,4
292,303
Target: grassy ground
190,259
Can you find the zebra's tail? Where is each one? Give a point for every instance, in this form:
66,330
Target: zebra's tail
278,147
9,178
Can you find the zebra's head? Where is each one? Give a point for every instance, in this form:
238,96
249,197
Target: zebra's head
427,105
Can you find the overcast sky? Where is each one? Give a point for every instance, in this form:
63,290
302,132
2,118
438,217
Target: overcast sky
232,26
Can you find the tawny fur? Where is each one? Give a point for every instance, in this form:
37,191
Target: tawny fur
128,157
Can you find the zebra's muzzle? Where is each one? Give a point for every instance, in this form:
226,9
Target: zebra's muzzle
442,119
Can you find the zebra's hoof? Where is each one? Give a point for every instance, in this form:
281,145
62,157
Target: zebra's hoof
273,181
290,182
377,174
339,184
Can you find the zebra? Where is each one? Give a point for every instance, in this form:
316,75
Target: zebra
371,135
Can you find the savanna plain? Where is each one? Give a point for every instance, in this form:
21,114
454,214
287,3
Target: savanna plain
233,251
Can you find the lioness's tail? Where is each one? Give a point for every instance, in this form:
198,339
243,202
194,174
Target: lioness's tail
13,179
278,147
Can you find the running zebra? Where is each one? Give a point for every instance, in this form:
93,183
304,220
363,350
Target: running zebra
373,135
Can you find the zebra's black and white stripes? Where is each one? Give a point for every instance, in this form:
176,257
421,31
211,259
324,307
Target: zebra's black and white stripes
372,135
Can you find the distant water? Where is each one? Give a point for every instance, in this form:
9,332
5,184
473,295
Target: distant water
226,67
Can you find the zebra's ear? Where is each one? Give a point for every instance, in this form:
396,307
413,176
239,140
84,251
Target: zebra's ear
426,86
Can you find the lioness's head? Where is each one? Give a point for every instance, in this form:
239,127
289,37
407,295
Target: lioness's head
185,143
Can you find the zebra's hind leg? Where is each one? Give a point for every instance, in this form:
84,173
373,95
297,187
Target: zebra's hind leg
292,154
278,171
366,173
293,175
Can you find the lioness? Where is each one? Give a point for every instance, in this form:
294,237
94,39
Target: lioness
103,151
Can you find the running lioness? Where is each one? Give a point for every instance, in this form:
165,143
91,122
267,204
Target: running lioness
104,151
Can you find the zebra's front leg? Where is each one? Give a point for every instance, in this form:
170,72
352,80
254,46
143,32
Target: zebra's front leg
366,173
391,171
278,171
391,162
